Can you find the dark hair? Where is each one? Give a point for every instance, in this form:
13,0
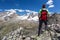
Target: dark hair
43,6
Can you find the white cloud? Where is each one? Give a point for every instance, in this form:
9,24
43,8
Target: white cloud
15,9
51,6
35,12
50,3
11,10
27,10
31,11
21,10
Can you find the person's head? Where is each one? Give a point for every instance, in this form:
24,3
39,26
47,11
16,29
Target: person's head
43,6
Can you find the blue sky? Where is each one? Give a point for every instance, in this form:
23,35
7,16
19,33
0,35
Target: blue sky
34,5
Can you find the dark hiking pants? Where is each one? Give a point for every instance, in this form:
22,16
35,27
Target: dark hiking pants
40,26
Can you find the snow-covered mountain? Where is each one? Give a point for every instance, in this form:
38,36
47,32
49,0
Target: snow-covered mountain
7,15
31,16
13,14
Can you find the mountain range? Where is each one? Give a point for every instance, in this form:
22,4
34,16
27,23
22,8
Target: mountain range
12,15
9,15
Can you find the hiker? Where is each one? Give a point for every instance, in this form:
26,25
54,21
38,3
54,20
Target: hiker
43,15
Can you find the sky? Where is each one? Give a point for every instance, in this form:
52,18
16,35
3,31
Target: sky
34,5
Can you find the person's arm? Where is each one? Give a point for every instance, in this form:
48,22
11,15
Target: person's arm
39,13
48,15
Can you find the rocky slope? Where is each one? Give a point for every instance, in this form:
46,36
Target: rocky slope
10,29
30,34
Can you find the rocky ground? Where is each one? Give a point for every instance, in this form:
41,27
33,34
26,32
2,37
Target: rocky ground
29,33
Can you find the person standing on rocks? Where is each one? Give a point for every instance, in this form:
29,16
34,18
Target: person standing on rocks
43,17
